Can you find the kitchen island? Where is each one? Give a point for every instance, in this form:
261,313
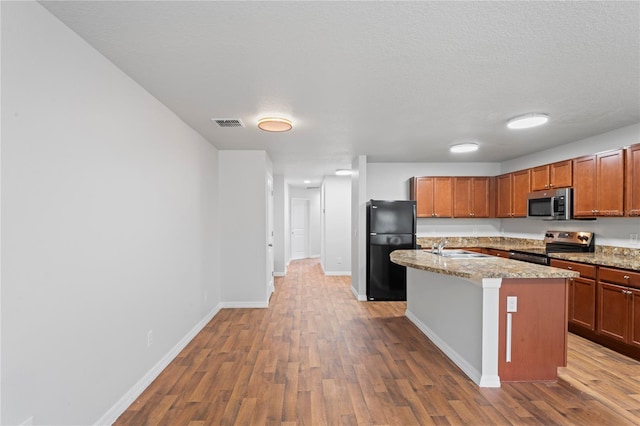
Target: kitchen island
461,304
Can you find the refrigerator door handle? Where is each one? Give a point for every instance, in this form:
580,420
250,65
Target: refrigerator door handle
373,233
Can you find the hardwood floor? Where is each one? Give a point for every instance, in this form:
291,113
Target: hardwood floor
318,356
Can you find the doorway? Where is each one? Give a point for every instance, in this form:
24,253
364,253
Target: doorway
299,228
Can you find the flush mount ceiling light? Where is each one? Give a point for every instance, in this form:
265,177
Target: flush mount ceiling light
307,181
464,147
528,120
343,172
274,124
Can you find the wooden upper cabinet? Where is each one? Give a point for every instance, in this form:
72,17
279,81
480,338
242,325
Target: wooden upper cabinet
521,185
471,197
584,186
433,196
598,182
511,194
632,183
504,190
556,175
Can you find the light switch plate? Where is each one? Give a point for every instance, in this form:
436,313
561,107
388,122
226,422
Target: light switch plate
512,304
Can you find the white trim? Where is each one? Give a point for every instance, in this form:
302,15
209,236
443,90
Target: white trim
360,297
338,273
240,305
28,422
128,398
279,274
315,256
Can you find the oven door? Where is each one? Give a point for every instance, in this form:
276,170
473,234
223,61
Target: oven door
540,259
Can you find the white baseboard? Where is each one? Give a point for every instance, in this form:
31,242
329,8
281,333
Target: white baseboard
337,273
360,297
238,305
279,274
128,398
314,256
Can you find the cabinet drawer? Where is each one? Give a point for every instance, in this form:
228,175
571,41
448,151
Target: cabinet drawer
619,276
586,271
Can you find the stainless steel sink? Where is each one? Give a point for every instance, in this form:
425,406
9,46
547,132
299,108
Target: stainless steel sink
461,254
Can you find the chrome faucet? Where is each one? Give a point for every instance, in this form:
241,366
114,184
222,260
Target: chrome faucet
441,245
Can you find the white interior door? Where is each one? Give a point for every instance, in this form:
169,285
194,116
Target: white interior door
269,235
299,228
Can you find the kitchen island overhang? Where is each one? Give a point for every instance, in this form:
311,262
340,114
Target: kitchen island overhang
461,305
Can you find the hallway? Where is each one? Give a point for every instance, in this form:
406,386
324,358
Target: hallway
318,356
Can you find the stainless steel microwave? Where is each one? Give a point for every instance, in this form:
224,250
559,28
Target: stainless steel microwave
552,204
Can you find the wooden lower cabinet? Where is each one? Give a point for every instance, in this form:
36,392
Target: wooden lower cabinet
619,305
582,294
613,311
603,305
497,253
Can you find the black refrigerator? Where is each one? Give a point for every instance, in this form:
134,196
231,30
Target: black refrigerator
391,225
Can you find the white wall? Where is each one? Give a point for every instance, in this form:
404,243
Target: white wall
109,226
336,225
390,181
243,242
313,195
359,227
279,235
609,231
611,140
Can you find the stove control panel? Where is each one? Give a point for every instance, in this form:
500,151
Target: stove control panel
568,237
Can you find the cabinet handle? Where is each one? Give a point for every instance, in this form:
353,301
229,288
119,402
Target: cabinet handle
626,277
569,267
550,185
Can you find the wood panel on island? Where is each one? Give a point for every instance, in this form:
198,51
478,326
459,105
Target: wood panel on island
598,181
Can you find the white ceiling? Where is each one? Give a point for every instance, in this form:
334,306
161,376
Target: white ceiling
396,81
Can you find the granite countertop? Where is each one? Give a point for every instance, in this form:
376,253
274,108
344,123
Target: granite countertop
478,268
615,257
602,259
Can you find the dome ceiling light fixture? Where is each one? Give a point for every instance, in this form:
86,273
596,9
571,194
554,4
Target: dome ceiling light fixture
527,121
274,124
463,147
343,172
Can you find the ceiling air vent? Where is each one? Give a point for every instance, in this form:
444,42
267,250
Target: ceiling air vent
228,122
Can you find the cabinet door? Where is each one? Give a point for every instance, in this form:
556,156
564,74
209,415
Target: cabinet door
540,178
503,195
634,332
582,302
584,186
462,197
422,193
481,190
610,198
442,197
521,185
613,316
632,183
561,174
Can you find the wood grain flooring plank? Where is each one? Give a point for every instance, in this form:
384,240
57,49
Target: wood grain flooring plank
318,356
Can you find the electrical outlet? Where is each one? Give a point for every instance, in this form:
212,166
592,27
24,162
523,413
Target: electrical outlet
512,304
149,338
633,239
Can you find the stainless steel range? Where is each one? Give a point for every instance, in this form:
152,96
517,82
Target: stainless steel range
557,242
